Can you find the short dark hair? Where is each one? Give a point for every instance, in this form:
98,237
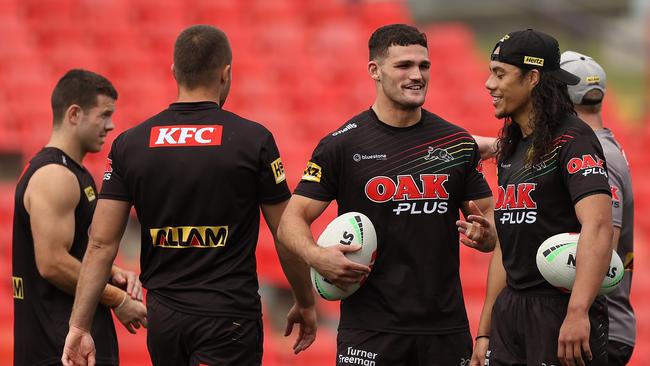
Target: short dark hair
199,52
80,87
394,35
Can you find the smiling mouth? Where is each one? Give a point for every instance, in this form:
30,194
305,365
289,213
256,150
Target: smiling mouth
496,100
414,87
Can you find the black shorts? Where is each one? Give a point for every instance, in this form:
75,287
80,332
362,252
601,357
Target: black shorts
179,339
526,327
619,353
357,347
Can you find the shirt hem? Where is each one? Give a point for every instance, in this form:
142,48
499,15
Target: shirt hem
622,340
587,194
410,331
313,196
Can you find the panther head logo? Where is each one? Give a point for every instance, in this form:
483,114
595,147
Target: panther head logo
438,154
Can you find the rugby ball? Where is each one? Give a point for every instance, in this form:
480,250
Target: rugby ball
556,261
347,229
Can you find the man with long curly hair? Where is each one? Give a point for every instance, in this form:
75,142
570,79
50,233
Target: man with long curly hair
552,179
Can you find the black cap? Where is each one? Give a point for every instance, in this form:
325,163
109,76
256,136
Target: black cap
532,49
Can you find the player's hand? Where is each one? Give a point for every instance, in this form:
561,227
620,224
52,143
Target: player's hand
332,264
79,348
129,282
131,313
573,343
480,349
306,319
479,233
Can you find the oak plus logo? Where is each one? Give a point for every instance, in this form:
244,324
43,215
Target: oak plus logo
427,195
517,204
586,165
108,170
185,135
616,199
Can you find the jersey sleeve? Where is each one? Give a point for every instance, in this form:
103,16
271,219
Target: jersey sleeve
272,184
475,184
583,167
320,179
114,186
617,187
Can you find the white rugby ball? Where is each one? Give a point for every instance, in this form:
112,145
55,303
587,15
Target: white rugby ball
556,261
347,229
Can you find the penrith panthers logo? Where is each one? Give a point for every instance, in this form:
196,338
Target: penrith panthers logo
438,154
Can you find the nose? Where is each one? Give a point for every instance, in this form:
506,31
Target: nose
415,74
490,83
109,126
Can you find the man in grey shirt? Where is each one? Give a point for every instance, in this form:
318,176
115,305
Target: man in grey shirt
587,96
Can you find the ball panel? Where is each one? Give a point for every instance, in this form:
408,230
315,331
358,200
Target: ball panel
347,229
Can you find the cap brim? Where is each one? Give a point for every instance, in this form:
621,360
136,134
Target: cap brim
565,76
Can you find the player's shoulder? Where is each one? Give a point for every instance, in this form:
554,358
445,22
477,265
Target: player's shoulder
54,183
436,122
614,154
245,124
351,129
571,126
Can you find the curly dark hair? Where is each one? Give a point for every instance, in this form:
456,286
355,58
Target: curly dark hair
551,103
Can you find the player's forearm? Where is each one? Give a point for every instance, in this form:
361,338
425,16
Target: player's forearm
64,272
496,281
297,272
294,234
592,261
95,270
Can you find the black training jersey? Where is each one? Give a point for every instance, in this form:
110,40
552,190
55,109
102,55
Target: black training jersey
535,203
41,310
197,175
410,182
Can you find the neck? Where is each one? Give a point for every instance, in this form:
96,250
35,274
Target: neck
396,117
200,94
524,119
68,145
594,120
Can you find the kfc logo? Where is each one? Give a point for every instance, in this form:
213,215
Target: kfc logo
185,135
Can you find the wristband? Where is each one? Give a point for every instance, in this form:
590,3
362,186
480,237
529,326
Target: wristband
482,336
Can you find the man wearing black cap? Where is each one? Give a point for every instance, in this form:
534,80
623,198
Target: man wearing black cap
552,179
587,96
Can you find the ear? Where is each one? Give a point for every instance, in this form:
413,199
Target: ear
173,70
73,114
226,74
533,78
373,70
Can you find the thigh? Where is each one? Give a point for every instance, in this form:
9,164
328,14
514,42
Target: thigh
544,318
165,340
506,339
619,353
364,347
443,350
226,341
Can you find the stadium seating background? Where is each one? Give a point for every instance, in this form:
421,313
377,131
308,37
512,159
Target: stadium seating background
299,68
